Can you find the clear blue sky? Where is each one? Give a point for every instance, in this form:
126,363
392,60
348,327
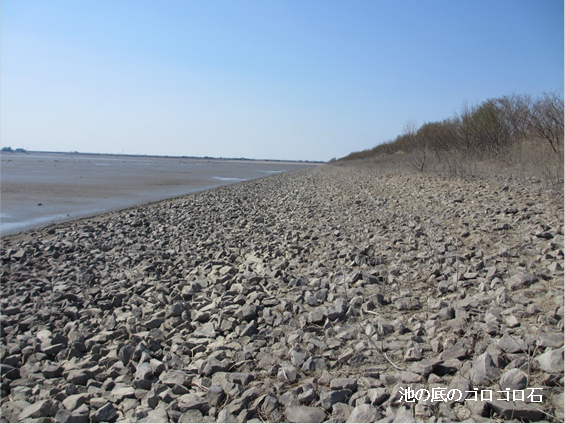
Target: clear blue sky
306,79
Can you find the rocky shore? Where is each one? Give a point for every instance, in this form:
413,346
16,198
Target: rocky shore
319,295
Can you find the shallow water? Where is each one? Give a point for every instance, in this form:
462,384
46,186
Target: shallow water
39,189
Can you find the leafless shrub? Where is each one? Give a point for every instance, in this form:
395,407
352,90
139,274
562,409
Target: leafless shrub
546,120
513,135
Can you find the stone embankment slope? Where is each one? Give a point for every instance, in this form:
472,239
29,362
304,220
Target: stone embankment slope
320,295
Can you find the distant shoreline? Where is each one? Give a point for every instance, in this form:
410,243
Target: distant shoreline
39,188
125,155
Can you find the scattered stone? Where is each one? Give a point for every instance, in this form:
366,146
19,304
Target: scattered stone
249,301
364,414
305,414
511,410
551,360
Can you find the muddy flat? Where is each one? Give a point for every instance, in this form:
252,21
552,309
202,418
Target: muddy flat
43,188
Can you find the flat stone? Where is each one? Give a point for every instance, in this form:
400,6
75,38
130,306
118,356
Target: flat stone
411,377
520,281
37,410
513,379
191,401
119,393
550,339
457,351
212,366
106,413
206,330
242,378
287,374
52,371
143,371
340,412
154,323
344,383
78,377
158,415
483,370
511,410
72,402
511,344
425,367
364,414
215,395
328,399
305,414
551,361
407,304
64,416
12,409
172,377
192,416
317,315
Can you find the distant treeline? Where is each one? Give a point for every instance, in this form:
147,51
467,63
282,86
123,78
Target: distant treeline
500,130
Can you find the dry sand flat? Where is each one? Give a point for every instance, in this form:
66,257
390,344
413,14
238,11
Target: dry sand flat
318,295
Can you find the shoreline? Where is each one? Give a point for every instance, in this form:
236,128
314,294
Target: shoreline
41,189
306,296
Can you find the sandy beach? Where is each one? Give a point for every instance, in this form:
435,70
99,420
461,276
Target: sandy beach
320,295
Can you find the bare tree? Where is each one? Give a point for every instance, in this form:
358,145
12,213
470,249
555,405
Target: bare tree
546,120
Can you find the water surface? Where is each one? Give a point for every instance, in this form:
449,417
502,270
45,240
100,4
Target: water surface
42,188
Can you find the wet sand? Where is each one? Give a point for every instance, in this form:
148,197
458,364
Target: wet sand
43,188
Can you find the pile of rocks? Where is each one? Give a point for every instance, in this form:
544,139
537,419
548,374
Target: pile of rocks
319,295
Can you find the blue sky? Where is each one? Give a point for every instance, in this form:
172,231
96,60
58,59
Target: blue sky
306,80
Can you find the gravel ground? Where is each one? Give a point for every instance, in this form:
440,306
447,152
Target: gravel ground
319,295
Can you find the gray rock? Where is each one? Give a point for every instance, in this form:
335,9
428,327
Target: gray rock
457,351
327,399
192,416
364,414
520,281
215,395
226,417
119,393
191,401
52,371
175,310
107,413
403,416
72,402
550,340
305,414
551,361
287,374
511,344
212,366
483,370
511,410
64,416
172,377
407,304
298,356
344,383
125,353
513,379
242,378
425,367
143,371
12,409
158,415
37,410
247,312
